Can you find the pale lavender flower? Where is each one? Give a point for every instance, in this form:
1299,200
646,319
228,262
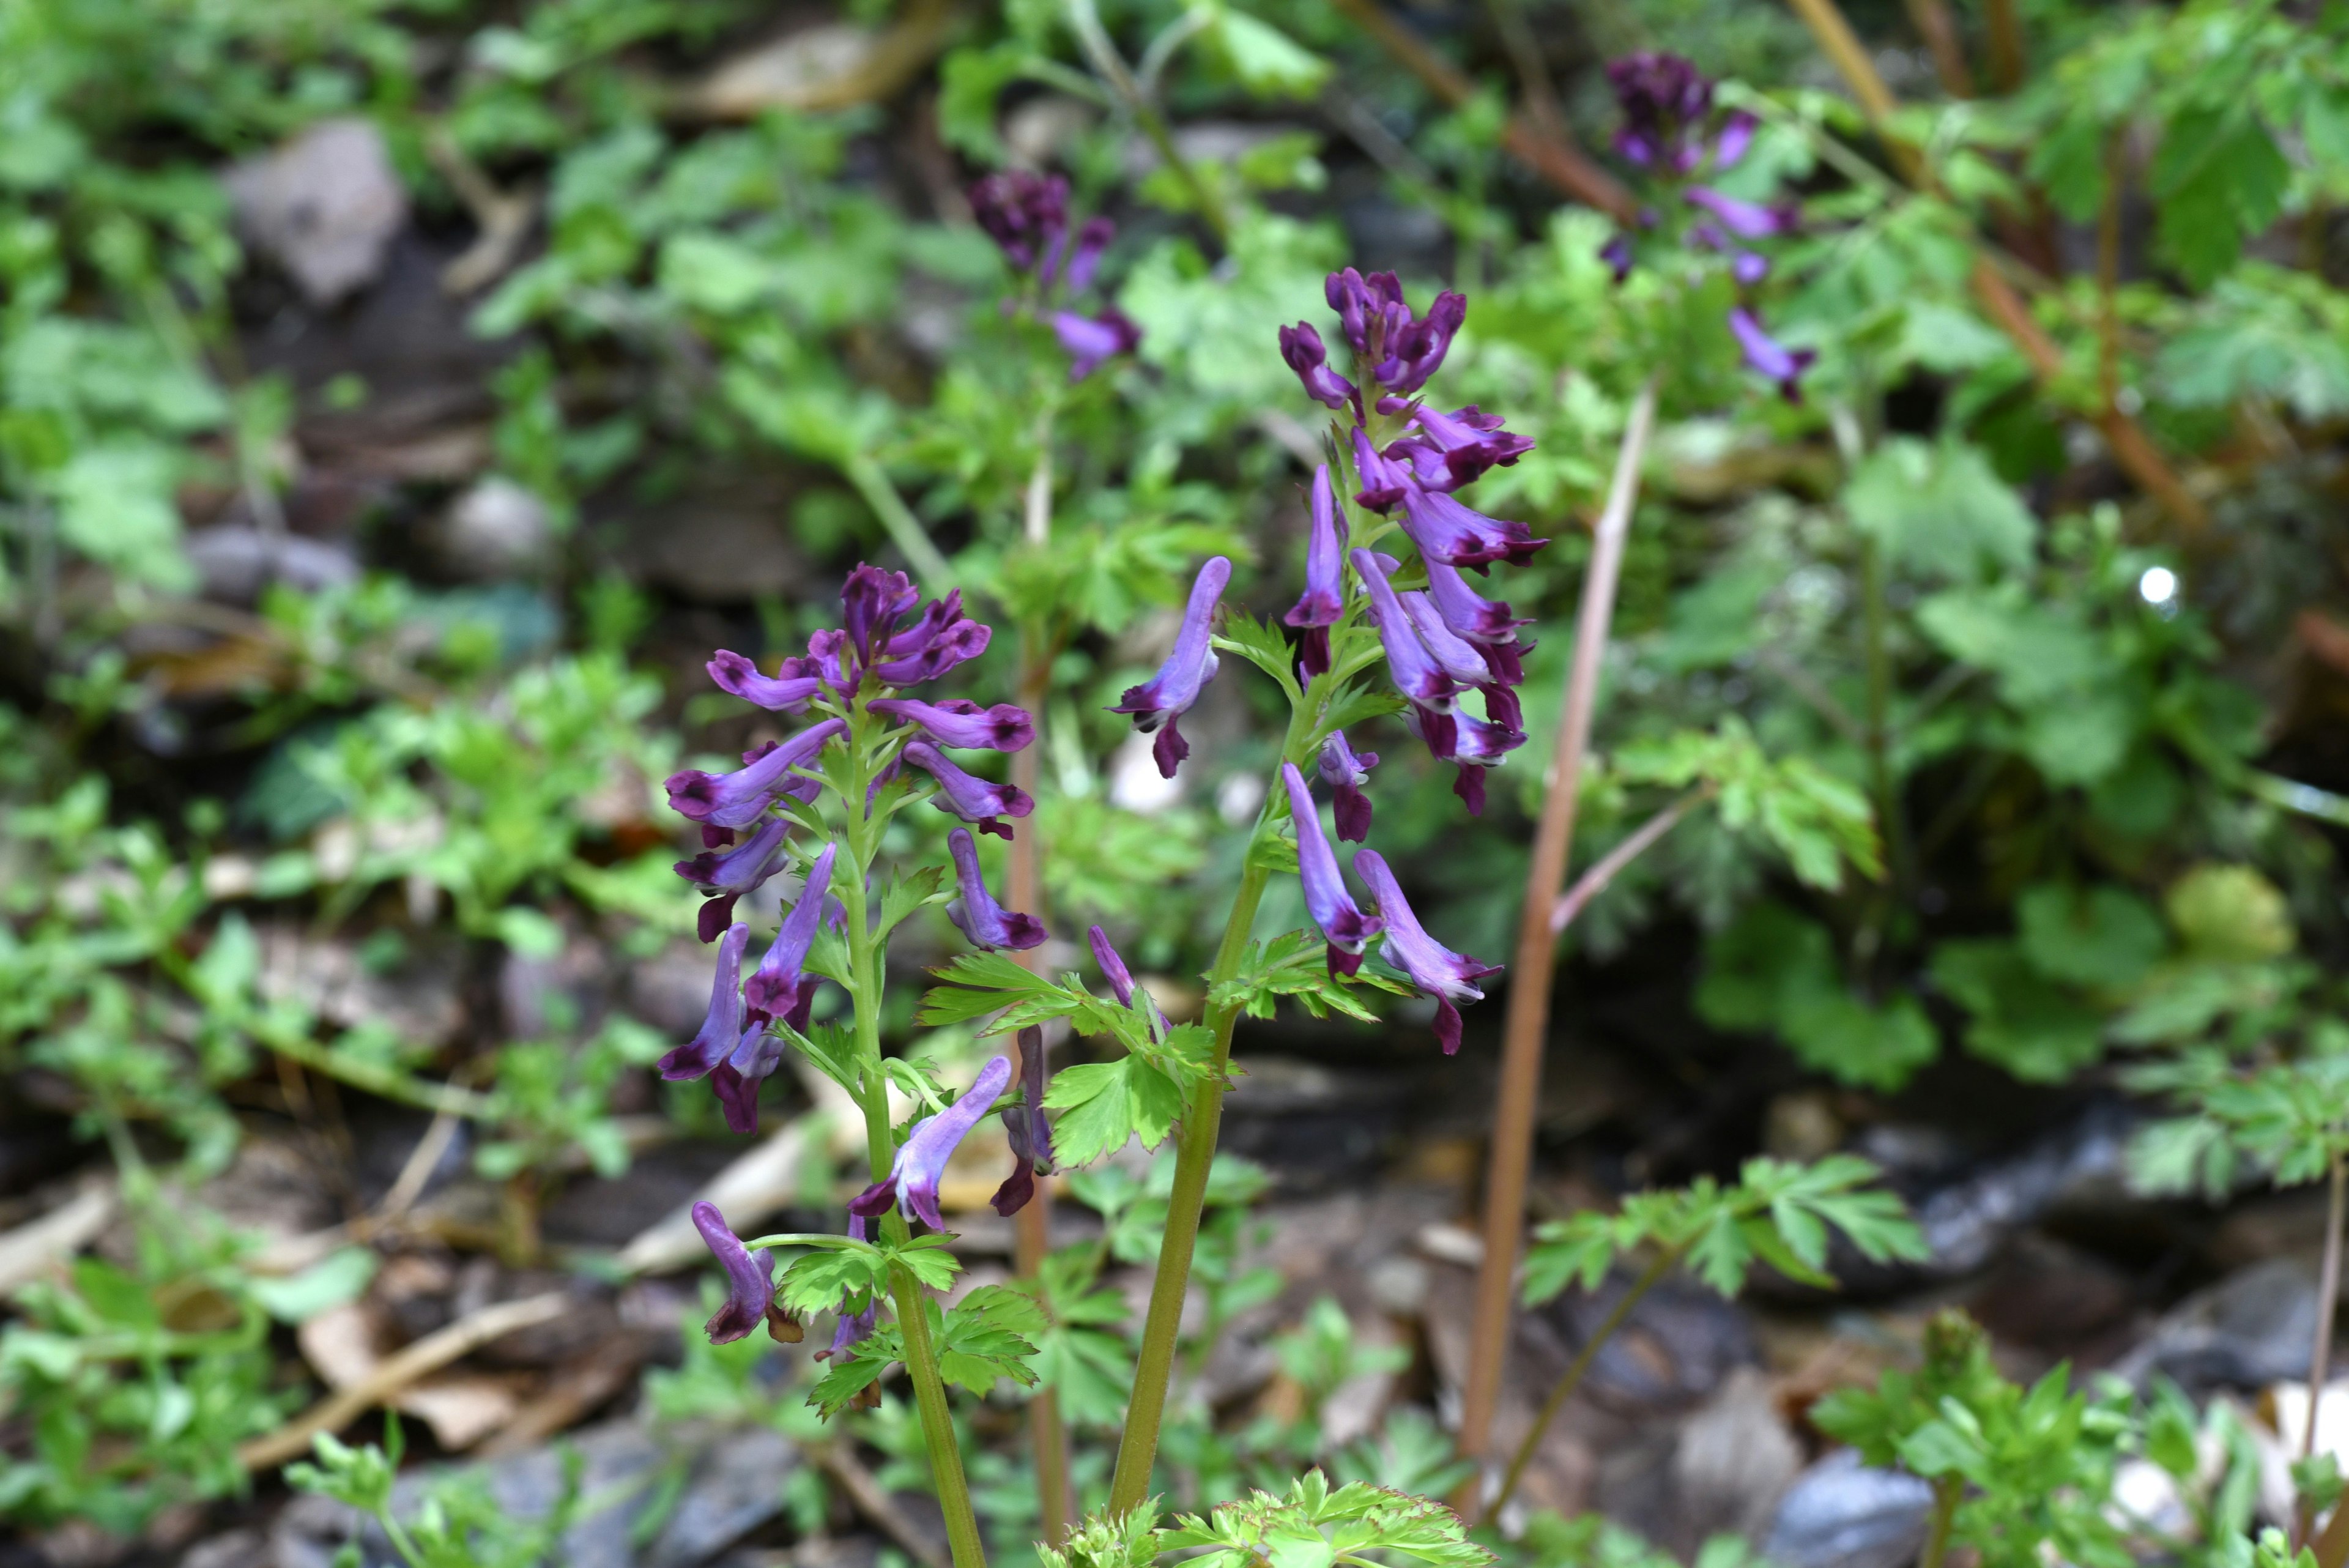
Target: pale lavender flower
1301,347
1467,612
1766,355
1746,220
779,988
957,722
721,1028
1324,600
974,800
974,910
1416,674
1343,924
1166,696
1447,530
913,1180
1120,981
1450,978
737,799
749,1282
787,690
1092,339
1345,773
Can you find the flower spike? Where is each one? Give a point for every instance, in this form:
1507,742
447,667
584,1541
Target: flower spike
1343,924
1416,674
750,1284
739,799
1166,697
723,878
974,910
913,1180
1449,977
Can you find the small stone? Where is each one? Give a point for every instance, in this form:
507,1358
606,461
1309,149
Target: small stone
1842,1515
495,529
325,206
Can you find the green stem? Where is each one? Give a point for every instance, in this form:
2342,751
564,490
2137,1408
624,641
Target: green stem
1094,39
905,530
913,1307
1574,1372
1948,1492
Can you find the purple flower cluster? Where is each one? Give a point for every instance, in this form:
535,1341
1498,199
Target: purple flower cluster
1670,133
888,639
1027,215
1411,459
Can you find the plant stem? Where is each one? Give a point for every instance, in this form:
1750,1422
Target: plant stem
2006,57
905,530
2319,1350
1195,1152
912,1304
1024,885
1948,1492
1101,52
1575,1373
1593,882
1528,1019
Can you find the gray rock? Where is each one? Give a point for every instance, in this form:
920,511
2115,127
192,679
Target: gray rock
2252,1328
496,528
236,562
325,206
1842,1515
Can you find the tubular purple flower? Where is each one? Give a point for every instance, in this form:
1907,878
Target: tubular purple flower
1736,137
1449,977
1416,674
957,722
721,1029
1416,351
965,640
973,799
749,1281
1470,440
1384,481
1664,99
1302,347
913,1180
725,877
1343,924
1767,354
1324,597
787,690
1030,1135
1748,268
871,604
1091,339
927,627
1454,654
778,989
974,910
1448,531
1369,309
736,1080
1113,969
1084,258
1345,773
1481,742
1617,254
1026,214
1464,610
737,799
1746,220
1166,696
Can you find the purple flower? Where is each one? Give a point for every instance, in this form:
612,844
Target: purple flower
737,799
786,691
1344,925
872,602
721,1029
725,877
1416,351
853,1328
778,987
1345,773
1324,598
1746,220
1370,309
913,1180
1024,1124
973,799
1090,339
957,722
1448,531
1416,674
1166,696
963,640
1385,480
974,910
1454,654
1664,99
1617,254
1026,214
1113,969
1767,354
1469,441
736,1080
1084,258
1300,346
1467,612
1449,977
749,1281
1736,136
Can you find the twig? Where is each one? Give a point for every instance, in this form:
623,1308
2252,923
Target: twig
2319,1350
421,1360
1533,71
502,218
1559,161
2109,279
2006,59
421,1162
1527,1023
867,1496
1575,1373
1593,882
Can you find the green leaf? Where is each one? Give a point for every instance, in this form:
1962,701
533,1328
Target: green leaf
2099,936
2020,1019
116,505
1262,644
1266,61
1939,509
338,1277
817,1281
1096,1116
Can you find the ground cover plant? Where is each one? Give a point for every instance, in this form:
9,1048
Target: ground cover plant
1114,783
